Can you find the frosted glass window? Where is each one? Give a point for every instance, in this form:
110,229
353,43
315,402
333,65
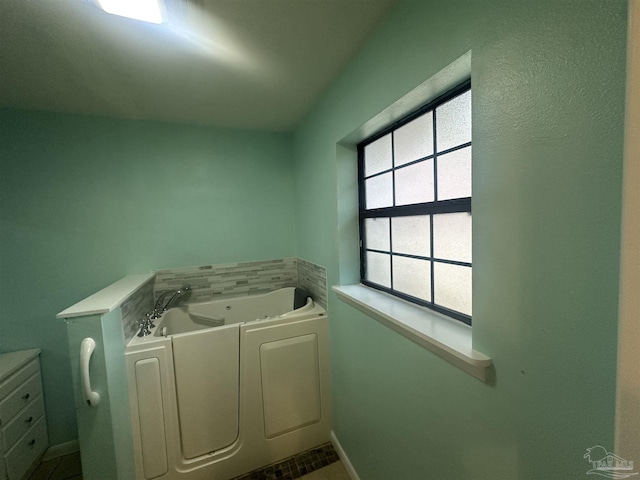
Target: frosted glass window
452,287
453,122
379,268
452,236
377,233
454,174
412,235
414,140
412,276
379,191
378,156
420,250
414,184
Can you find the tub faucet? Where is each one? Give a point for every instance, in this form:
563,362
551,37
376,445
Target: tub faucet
161,306
146,324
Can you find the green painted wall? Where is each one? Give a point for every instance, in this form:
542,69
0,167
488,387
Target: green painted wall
85,201
548,104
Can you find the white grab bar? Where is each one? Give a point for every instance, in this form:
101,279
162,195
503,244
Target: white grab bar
87,347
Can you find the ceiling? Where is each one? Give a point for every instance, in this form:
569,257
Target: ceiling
256,64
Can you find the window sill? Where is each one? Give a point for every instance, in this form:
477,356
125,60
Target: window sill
445,337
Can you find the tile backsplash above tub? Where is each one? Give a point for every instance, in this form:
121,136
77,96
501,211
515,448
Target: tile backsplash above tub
134,308
313,278
244,278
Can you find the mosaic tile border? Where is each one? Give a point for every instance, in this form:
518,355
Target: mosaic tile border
134,308
295,466
210,282
232,279
313,278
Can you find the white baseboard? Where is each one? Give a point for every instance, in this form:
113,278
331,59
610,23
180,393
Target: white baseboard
61,449
343,456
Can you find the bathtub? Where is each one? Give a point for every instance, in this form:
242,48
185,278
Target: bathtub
269,306
224,387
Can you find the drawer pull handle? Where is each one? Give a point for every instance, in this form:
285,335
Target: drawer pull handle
26,396
29,420
31,442
87,347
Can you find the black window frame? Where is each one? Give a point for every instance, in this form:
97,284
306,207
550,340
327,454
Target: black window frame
428,208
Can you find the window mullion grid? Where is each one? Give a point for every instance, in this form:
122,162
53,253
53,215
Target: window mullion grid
362,208
444,206
435,199
428,208
431,259
435,157
393,193
421,257
419,160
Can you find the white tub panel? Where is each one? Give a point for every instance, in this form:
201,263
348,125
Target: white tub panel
207,384
151,418
290,384
244,444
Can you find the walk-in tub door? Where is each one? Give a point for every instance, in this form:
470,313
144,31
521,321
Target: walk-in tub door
285,387
290,384
207,386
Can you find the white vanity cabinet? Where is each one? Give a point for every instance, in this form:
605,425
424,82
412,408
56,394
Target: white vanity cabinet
23,426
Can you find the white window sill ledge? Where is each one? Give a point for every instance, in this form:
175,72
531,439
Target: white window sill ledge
441,335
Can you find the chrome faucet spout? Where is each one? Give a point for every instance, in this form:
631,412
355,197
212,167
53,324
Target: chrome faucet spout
161,306
184,290
157,308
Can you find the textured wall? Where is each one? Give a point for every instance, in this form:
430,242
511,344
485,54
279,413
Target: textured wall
86,201
548,103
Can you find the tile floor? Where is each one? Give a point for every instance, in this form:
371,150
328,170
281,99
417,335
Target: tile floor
296,466
335,471
61,468
68,468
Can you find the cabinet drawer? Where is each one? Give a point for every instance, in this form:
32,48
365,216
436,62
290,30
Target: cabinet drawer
20,398
22,422
15,379
27,450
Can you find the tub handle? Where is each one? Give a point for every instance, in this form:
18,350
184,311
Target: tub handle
87,347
